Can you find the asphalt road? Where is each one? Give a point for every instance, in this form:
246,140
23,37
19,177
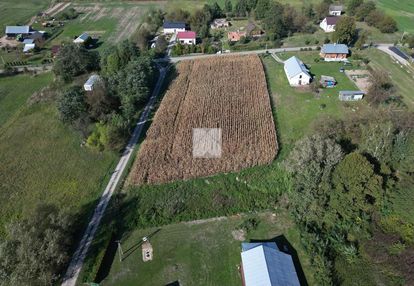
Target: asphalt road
78,257
200,56
386,49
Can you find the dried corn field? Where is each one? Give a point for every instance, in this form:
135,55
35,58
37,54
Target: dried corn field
228,93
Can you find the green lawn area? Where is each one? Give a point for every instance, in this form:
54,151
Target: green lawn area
402,77
401,10
14,94
42,160
198,253
296,109
19,12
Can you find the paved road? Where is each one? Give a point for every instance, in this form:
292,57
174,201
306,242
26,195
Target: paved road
78,257
386,49
200,56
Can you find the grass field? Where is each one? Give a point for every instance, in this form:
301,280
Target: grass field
401,10
198,253
42,160
111,21
14,94
402,78
19,12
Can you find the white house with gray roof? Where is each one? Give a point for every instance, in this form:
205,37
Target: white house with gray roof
296,72
263,264
336,10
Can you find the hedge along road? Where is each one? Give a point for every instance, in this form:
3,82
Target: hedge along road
78,257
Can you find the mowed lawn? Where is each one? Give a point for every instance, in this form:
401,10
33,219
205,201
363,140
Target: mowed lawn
19,12
42,160
297,110
203,253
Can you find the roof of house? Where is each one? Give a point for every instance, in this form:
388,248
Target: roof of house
186,35
17,29
28,41
350,92
92,79
295,66
174,25
28,47
334,7
36,35
332,20
334,49
327,78
55,49
264,264
83,37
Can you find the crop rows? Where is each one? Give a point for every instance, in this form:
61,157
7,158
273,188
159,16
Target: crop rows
229,93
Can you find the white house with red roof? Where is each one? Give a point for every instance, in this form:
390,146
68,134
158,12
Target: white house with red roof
187,38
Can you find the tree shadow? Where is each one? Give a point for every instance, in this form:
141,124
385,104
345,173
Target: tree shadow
284,245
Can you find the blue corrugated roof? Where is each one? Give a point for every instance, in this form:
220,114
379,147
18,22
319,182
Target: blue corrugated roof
335,49
17,29
84,36
28,41
351,92
174,25
265,265
294,66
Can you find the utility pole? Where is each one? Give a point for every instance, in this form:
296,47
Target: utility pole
120,252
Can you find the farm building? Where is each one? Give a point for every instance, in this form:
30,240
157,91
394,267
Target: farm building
253,30
14,31
219,23
327,81
296,72
336,10
91,82
187,38
28,48
264,264
334,52
351,95
173,27
81,39
329,23
235,36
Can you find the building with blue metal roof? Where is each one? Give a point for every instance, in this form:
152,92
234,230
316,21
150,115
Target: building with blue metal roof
173,27
13,31
334,52
296,72
263,264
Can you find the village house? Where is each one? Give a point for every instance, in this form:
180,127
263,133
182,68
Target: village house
235,36
334,52
187,38
91,82
253,30
264,264
13,32
220,23
351,95
173,27
329,23
296,72
82,38
336,10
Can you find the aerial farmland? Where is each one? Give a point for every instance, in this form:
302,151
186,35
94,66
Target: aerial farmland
228,93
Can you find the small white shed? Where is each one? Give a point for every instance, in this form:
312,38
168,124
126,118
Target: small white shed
92,80
351,95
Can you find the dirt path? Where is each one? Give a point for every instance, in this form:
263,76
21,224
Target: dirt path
57,8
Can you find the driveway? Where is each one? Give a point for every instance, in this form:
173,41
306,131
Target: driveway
386,49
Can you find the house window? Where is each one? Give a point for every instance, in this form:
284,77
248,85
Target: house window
300,76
